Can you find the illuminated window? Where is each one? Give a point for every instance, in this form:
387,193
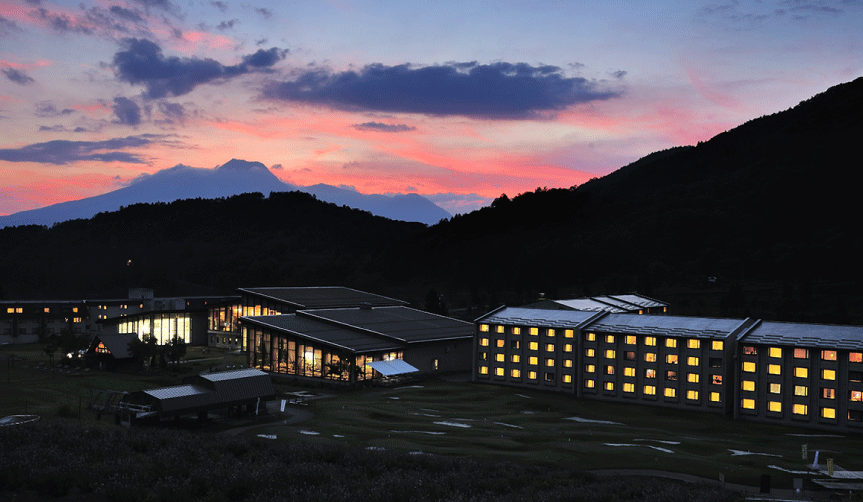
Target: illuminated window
716,379
589,368
671,343
801,390
516,330
799,409
828,412
20,310
589,353
589,384
692,361
855,357
500,343
549,361
10,310
500,358
828,393
692,395
47,310
550,332
568,333
531,375
828,355
483,370
483,327
498,371
670,392
801,353
671,359
567,347
533,345
630,372
629,340
747,404
717,345
609,338
749,367
650,357
567,378
499,329
515,344
649,390
692,377
828,374
775,388
483,342
483,356
534,331
671,375
567,363
609,385
748,385
649,373
640,311
609,370
775,352
715,397
533,360
515,373
801,372
749,350
774,369
855,395
650,341
629,387
76,319
549,347
774,406
693,343
516,358
75,309
590,337
609,354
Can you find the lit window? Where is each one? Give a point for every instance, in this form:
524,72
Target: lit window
855,357
549,362
609,338
828,355
799,409
801,390
748,385
640,311
649,390
516,358
589,353
533,345
801,353
630,340
589,384
649,373
483,327
568,333
749,367
609,385
590,337
498,371
717,345
801,372
671,375
747,404
828,374
715,397
692,395
589,368
515,373
609,354
856,395
567,363
20,310
10,310
774,406
533,360
77,319
549,347
550,332
650,357
650,341
483,342
716,379
609,370
828,412
515,344
483,370
775,352
775,388
47,310
483,356
693,343
500,343
828,393
630,372
516,330
774,369
692,361
692,377
500,358
534,331
567,378
499,329
629,387
670,392
567,347
531,375
671,343
75,310
749,350
671,359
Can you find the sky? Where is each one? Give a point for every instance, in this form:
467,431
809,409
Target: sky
459,101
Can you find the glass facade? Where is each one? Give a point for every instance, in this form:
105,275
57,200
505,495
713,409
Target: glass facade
163,326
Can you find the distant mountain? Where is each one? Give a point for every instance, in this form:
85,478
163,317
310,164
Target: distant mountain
233,178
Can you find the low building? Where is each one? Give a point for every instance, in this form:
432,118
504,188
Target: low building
111,351
616,304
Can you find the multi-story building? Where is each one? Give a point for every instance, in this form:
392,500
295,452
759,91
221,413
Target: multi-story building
28,321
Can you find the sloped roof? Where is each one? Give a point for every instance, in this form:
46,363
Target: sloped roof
326,333
118,345
678,326
392,367
522,316
323,297
398,323
211,391
630,302
806,335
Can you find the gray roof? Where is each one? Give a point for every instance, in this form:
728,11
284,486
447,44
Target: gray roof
637,299
398,323
118,345
212,391
590,305
323,297
631,302
330,334
521,316
806,335
677,326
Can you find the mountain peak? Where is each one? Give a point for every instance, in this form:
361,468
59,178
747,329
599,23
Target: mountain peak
241,165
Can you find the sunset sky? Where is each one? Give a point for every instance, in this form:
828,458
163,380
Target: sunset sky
458,101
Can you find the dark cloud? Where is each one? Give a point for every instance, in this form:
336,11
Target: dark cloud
61,152
127,111
267,13
17,76
174,111
142,62
222,6
8,27
80,129
227,25
62,22
53,128
133,15
619,74
494,91
277,167
164,5
261,41
377,126
46,109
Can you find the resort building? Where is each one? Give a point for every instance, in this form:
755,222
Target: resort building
29,321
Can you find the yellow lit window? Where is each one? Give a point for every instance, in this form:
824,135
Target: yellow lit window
855,357
801,390
775,352
716,379
799,409
692,361
550,332
47,310
670,392
671,343
549,347
630,339
567,363
499,329
515,373
828,412
531,375
649,390
516,358
748,385
629,387
856,396
533,360
589,384
801,353
567,347
609,338
498,371
650,357
692,395
609,354
589,353
534,331
828,374
749,367
500,358
75,309
516,330
774,406
533,345
76,319
650,373
483,370
650,341
590,337
20,310
715,397
589,368
671,359
775,388
609,370
483,342
692,377
10,310
500,343
568,333
609,385
693,343
567,378
630,372
828,355
801,372
483,327
747,404
828,393
774,369
549,362
717,345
